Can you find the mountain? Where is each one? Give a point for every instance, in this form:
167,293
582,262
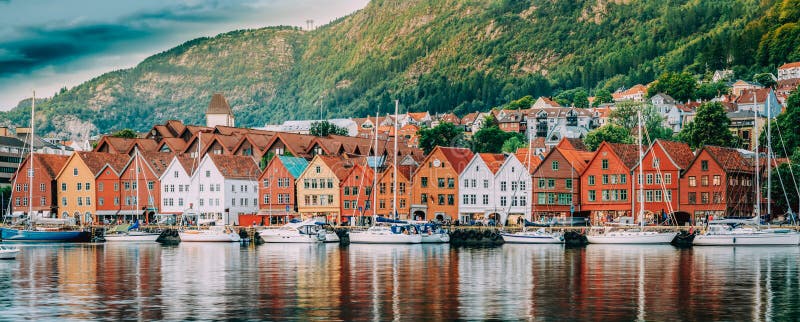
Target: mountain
433,55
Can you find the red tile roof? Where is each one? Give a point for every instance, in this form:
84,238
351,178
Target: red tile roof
95,161
339,165
493,161
51,163
236,166
746,97
790,65
528,159
577,159
731,160
572,144
627,153
457,157
679,152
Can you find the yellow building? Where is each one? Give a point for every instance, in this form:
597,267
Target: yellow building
318,187
76,185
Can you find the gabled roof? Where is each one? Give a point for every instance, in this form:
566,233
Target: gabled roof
450,118
50,163
176,145
579,160
731,160
158,161
528,158
188,163
746,97
419,116
95,161
469,118
294,165
571,143
235,166
790,65
457,157
340,166
627,153
493,161
680,153
176,126
218,105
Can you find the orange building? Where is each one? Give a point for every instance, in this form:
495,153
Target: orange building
386,192
108,191
355,192
76,183
662,165
718,182
606,182
43,190
277,194
435,183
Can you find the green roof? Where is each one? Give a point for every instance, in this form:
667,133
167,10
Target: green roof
295,165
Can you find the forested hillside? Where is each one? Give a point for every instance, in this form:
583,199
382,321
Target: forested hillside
434,55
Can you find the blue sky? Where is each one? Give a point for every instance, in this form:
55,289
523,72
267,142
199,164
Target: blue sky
49,44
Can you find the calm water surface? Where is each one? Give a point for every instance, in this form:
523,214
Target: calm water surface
420,282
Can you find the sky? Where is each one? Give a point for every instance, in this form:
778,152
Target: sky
49,44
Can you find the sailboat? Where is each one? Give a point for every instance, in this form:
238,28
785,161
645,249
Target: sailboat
388,231
619,235
213,233
131,233
39,234
732,232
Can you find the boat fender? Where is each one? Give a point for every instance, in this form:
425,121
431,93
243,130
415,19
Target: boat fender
487,233
471,234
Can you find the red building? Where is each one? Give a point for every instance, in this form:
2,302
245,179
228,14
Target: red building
718,182
141,187
557,184
45,169
277,195
606,182
108,190
662,165
355,192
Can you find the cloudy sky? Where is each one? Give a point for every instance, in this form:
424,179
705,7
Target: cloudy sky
49,44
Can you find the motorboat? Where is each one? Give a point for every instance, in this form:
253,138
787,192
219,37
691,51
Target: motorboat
295,232
130,234
433,234
212,234
539,236
330,233
733,235
616,235
43,235
387,234
7,252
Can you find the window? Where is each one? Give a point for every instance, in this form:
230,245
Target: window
75,172
318,169
485,199
551,183
623,194
100,201
175,174
605,179
716,180
451,183
668,178
116,186
655,163
208,174
382,204
704,165
354,191
19,187
658,178
79,186
180,201
554,165
486,184
657,196
126,185
704,181
63,186
63,201
441,199
330,183
451,199
503,186
116,201
346,204
704,198
541,183
402,203
466,183
503,201
648,195
266,199
87,185
568,183
42,187
423,182
42,201
692,181
590,180
474,183
623,178
440,182
80,201
346,191
604,164
522,186
514,185
16,201
402,187
649,178
423,198
100,186
202,187
717,197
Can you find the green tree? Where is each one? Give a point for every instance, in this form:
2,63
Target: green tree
513,144
491,139
765,79
581,99
609,133
325,128
602,96
707,91
573,97
709,127
125,133
444,134
625,116
784,185
786,127
522,103
681,86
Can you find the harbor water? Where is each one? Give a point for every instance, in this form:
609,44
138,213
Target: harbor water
383,282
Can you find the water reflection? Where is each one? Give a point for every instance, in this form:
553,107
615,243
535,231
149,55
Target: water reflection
381,282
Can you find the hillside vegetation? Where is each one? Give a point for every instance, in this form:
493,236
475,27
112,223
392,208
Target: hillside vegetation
433,55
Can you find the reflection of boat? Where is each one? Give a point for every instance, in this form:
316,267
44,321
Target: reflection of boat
539,236
212,234
43,235
8,252
128,233
727,235
387,234
611,235
295,232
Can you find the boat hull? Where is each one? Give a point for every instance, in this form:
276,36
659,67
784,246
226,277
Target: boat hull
632,238
132,238
331,238
10,235
771,239
209,237
8,253
289,238
370,238
531,239
436,238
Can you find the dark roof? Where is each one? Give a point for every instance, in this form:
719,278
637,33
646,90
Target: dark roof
731,160
11,142
627,153
52,163
95,161
679,152
218,105
236,166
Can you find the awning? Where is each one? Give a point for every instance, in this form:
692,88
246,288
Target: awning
107,212
132,212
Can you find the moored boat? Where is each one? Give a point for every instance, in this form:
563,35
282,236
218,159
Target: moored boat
8,252
130,234
387,234
612,235
433,234
733,235
43,235
539,236
295,232
212,234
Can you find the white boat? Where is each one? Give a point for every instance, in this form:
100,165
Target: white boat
386,234
212,234
726,235
302,232
132,237
432,233
611,235
330,233
7,252
539,236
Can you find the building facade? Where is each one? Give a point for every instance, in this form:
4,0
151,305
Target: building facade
435,183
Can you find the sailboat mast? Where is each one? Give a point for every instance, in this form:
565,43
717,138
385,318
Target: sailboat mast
375,175
30,165
757,207
199,143
641,170
136,171
769,154
394,160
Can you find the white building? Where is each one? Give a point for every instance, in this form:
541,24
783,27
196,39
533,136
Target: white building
513,190
476,200
667,107
177,192
789,71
